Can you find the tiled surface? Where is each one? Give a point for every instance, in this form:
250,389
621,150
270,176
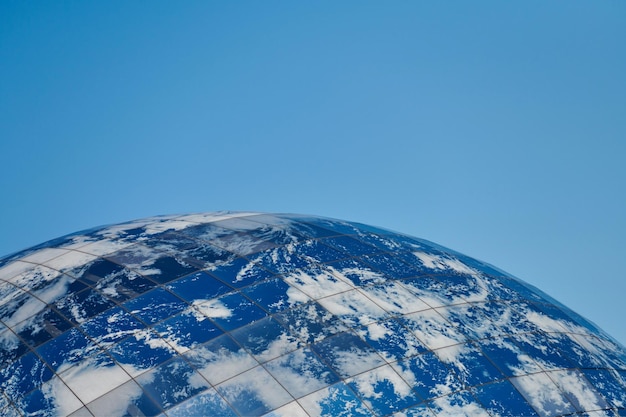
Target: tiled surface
247,314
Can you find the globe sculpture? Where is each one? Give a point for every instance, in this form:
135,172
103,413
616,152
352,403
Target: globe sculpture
250,314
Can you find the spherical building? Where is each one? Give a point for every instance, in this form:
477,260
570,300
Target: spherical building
247,314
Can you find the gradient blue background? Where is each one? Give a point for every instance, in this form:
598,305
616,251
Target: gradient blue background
495,128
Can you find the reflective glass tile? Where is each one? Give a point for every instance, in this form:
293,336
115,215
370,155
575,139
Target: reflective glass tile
63,403
231,311
391,267
126,400
314,249
220,359
577,389
335,401
254,393
506,355
187,330
502,399
275,295
543,395
240,273
144,350
69,348
168,268
23,375
198,286
11,348
155,305
42,327
606,383
391,339
540,347
207,403
111,326
301,372
427,375
347,354
384,390
470,366
94,376
266,339
351,247
83,305
461,403
172,383
355,271
354,308
310,322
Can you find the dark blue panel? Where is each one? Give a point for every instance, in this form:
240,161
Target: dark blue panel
170,268
83,305
155,305
383,390
24,375
11,348
608,384
310,322
240,273
391,267
198,286
340,401
139,352
69,348
539,346
472,367
241,312
502,399
188,329
171,383
272,295
43,327
313,249
265,339
111,326
505,355
432,372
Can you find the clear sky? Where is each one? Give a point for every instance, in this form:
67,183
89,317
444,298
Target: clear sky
495,128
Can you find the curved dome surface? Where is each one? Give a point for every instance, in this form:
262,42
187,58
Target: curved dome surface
249,314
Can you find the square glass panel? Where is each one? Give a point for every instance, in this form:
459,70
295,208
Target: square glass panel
428,376
502,399
231,311
275,295
126,400
301,372
207,403
351,247
220,359
240,273
198,286
81,306
391,339
355,271
255,392
335,401
347,354
69,348
187,330
111,326
310,322
155,305
354,308
266,339
543,395
384,390
143,351
172,383
23,375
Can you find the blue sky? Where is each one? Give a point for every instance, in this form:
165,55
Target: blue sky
495,128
